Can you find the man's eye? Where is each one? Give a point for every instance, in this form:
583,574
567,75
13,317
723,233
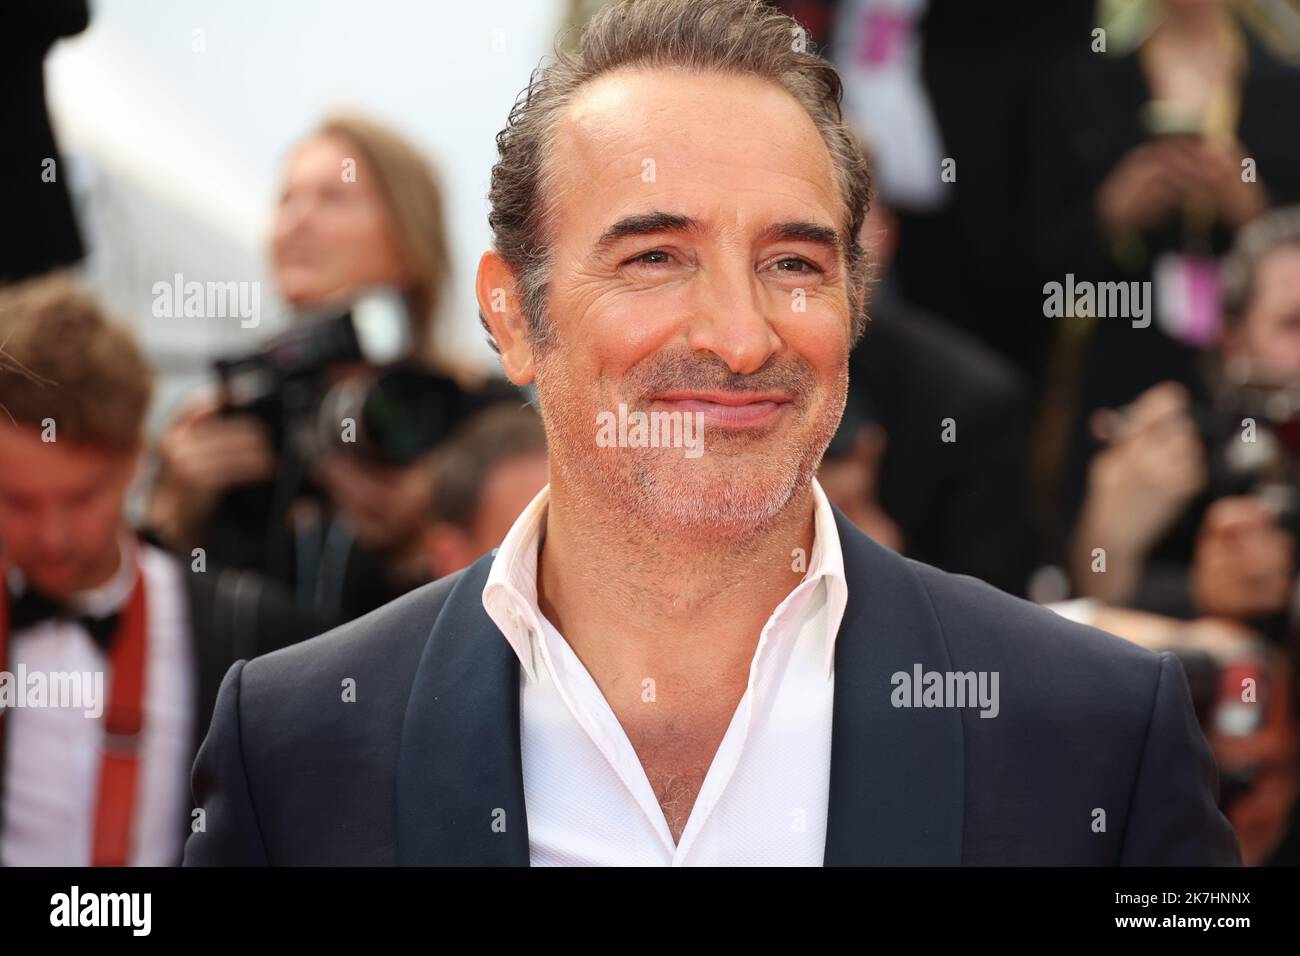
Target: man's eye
794,264
660,258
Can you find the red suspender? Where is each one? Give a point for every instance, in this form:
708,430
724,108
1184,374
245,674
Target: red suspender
123,722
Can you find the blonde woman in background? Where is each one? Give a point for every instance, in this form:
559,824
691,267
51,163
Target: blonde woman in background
359,207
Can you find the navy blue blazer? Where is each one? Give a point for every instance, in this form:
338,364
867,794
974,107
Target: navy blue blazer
1094,757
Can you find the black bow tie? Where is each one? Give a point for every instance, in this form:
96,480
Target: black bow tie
32,607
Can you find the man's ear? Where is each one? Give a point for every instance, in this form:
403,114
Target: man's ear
502,308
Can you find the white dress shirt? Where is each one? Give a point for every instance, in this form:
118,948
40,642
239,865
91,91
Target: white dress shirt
764,798
52,763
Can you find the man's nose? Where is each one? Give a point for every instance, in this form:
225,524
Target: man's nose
52,532
732,319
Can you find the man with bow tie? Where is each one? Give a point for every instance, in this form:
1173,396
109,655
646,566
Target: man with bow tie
83,595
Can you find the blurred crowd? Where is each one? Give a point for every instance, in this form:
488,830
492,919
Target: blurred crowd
1081,384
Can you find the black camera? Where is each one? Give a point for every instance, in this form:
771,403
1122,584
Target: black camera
345,381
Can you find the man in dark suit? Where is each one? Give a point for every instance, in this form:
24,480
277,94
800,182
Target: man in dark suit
682,654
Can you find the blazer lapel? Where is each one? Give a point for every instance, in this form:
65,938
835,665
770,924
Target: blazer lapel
460,787
897,774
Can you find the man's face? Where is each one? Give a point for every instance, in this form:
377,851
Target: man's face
60,509
1270,331
698,268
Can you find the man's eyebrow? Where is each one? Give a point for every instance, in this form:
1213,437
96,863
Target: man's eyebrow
642,224
802,231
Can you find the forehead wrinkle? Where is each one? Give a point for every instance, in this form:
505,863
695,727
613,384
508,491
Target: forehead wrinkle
599,131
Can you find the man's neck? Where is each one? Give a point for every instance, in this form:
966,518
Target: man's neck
635,602
107,567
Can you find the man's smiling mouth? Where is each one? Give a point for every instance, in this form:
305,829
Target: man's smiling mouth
725,409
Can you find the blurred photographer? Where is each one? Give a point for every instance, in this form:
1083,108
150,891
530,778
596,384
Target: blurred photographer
1145,163
1191,508
251,481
